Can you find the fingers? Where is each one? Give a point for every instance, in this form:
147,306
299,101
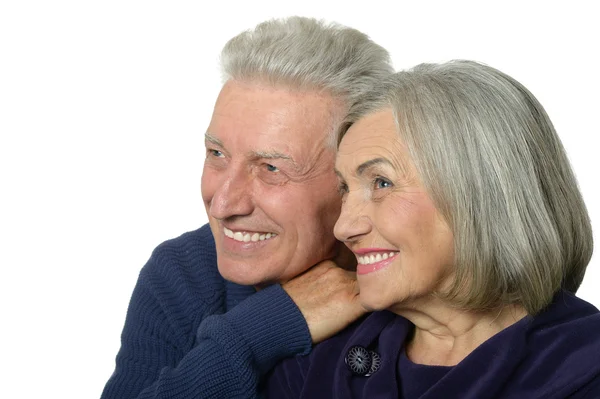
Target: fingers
356,287
328,298
325,265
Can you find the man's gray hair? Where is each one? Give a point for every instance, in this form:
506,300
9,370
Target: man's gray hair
492,162
304,53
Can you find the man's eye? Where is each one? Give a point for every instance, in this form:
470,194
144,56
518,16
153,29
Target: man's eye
380,183
215,153
271,168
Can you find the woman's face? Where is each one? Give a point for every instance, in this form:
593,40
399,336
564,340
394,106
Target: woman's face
403,245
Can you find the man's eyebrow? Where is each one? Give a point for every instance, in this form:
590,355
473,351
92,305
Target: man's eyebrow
212,139
370,163
272,155
276,155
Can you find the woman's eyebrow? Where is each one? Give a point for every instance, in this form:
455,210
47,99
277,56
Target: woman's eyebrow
360,169
370,163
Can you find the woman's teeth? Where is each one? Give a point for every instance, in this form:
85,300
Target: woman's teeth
369,259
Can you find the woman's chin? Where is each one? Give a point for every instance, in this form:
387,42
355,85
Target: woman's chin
372,304
375,294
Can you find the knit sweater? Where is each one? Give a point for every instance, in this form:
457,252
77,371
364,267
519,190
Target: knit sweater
191,334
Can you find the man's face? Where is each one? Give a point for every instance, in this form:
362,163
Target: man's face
268,183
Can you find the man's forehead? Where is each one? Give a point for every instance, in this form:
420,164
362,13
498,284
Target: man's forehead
266,122
262,107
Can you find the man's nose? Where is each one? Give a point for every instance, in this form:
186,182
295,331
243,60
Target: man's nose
233,196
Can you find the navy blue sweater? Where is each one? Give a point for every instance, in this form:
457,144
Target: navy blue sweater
191,334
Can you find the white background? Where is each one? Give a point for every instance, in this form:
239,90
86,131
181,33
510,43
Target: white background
103,106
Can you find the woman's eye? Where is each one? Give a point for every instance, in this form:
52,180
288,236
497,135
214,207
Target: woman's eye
382,183
342,188
271,168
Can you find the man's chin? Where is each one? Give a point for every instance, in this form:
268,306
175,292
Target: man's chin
243,273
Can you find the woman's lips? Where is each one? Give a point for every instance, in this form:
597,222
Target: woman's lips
372,260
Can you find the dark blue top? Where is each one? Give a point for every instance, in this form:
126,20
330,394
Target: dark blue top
553,355
191,334
415,379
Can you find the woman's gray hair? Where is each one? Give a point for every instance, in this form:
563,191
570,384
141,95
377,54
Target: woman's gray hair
305,53
492,162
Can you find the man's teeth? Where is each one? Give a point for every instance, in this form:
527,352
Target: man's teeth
368,259
247,237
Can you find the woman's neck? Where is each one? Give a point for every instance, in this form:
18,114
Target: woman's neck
444,335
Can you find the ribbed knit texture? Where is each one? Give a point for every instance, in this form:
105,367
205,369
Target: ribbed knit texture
184,338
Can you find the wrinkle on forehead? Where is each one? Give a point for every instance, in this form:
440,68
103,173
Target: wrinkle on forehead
280,123
321,162
369,140
303,107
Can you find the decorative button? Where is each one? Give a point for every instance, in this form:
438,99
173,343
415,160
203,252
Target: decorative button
359,360
375,363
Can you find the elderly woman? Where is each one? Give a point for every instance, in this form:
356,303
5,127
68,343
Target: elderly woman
469,229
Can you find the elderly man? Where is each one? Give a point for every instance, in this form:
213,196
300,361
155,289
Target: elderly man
216,308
